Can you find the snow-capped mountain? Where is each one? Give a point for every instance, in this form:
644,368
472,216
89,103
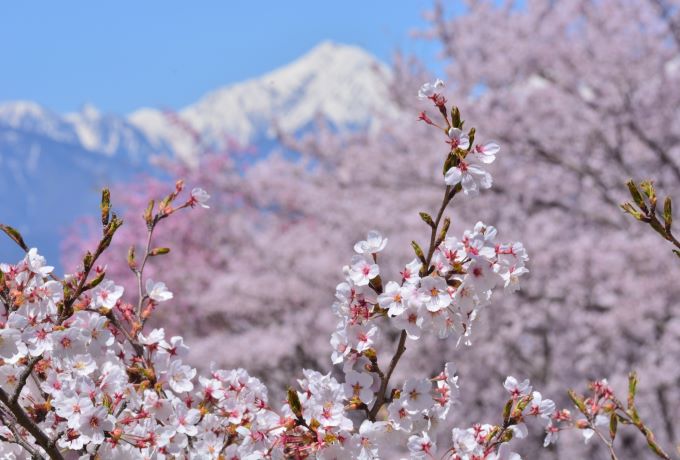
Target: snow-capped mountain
89,130
341,83
52,165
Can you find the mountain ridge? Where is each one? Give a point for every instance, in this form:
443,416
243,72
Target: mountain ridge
52,165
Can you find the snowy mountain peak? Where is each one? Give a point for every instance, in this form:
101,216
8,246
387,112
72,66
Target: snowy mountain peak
339,82
30,117
91,112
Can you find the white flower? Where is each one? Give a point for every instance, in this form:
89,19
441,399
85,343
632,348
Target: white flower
421,446
434,294
11,346
373,243
588,433
359,384
107,294
429,89
94,422
504,453
515,388
411,272
400,417
340,344
185,419
392,298
157,291
458,139
411,321
155,336
36,263
552,435
486,153
482,275
416,394
38,339
200,196
83,364
520,431
541,407
464,441
71,407
362,271
471,176
179,377
361,337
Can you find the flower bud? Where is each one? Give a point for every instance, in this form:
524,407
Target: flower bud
294,402
667,214
131,259
148,214
582,424
106,206
159,251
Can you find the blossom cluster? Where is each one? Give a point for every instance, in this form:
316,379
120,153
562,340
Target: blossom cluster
79,373
443,300
93,391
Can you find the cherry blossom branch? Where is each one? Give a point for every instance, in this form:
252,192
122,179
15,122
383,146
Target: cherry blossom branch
449,193
646,211
18,439
24,378
139,273
603,403
608,443
401,348
25,421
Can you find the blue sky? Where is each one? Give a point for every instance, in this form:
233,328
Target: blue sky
126,54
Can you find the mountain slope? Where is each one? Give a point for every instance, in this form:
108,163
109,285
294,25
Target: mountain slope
338,82
52,165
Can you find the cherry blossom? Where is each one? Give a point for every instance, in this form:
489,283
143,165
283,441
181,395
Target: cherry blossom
158,291
200,197
427,90
373,243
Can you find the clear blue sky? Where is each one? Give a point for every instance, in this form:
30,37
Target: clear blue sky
125,54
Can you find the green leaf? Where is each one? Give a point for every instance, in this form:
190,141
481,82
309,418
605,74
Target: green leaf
95,282
668,213
426,218
506,411
419,252
14,235
294,402
637,197
630,209
578,401
632,388
647,187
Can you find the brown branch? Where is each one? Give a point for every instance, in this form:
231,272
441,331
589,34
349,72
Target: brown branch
25,421
449,193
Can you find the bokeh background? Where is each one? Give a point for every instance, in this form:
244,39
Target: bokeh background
300,119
